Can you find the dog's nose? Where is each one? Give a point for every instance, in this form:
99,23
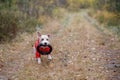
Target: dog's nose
45,43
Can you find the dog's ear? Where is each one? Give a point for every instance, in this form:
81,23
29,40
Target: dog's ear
48,35
38,34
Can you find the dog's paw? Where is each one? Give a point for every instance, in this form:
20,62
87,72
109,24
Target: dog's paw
49,57
39,62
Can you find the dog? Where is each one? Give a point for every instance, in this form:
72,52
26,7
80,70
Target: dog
44,40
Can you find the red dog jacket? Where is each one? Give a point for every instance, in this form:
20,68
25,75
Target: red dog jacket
37,53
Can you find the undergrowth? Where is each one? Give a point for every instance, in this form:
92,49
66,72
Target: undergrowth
110,20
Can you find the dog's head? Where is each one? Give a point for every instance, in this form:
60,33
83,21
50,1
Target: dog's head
44,39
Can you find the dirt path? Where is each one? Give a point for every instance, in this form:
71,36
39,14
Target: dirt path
81,52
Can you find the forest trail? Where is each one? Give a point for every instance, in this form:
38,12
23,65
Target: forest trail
81,51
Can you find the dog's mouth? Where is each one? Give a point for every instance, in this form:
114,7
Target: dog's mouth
44,45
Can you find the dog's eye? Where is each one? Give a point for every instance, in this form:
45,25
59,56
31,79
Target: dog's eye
47,39
42,39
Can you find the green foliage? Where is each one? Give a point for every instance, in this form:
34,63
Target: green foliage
28,25
77,4
110,5
8,25
101,18
58,12
13,20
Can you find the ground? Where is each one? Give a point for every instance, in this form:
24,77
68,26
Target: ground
82,50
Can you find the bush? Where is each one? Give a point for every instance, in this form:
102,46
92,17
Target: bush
12,23
8,25
58,12
108,18
28,25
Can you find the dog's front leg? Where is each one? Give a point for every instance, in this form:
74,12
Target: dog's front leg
39,60
49,57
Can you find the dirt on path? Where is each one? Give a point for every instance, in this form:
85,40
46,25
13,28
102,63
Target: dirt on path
82,51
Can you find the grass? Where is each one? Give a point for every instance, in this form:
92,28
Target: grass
110,20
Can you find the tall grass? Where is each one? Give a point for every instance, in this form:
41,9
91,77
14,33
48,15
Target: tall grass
110,20
11,23
8,25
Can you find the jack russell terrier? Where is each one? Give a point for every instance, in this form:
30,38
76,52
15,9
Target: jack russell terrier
44,41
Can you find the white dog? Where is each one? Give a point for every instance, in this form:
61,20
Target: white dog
44,40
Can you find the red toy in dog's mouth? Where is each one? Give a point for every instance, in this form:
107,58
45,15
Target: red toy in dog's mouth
44,49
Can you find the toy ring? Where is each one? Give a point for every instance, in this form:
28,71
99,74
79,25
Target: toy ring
44,50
